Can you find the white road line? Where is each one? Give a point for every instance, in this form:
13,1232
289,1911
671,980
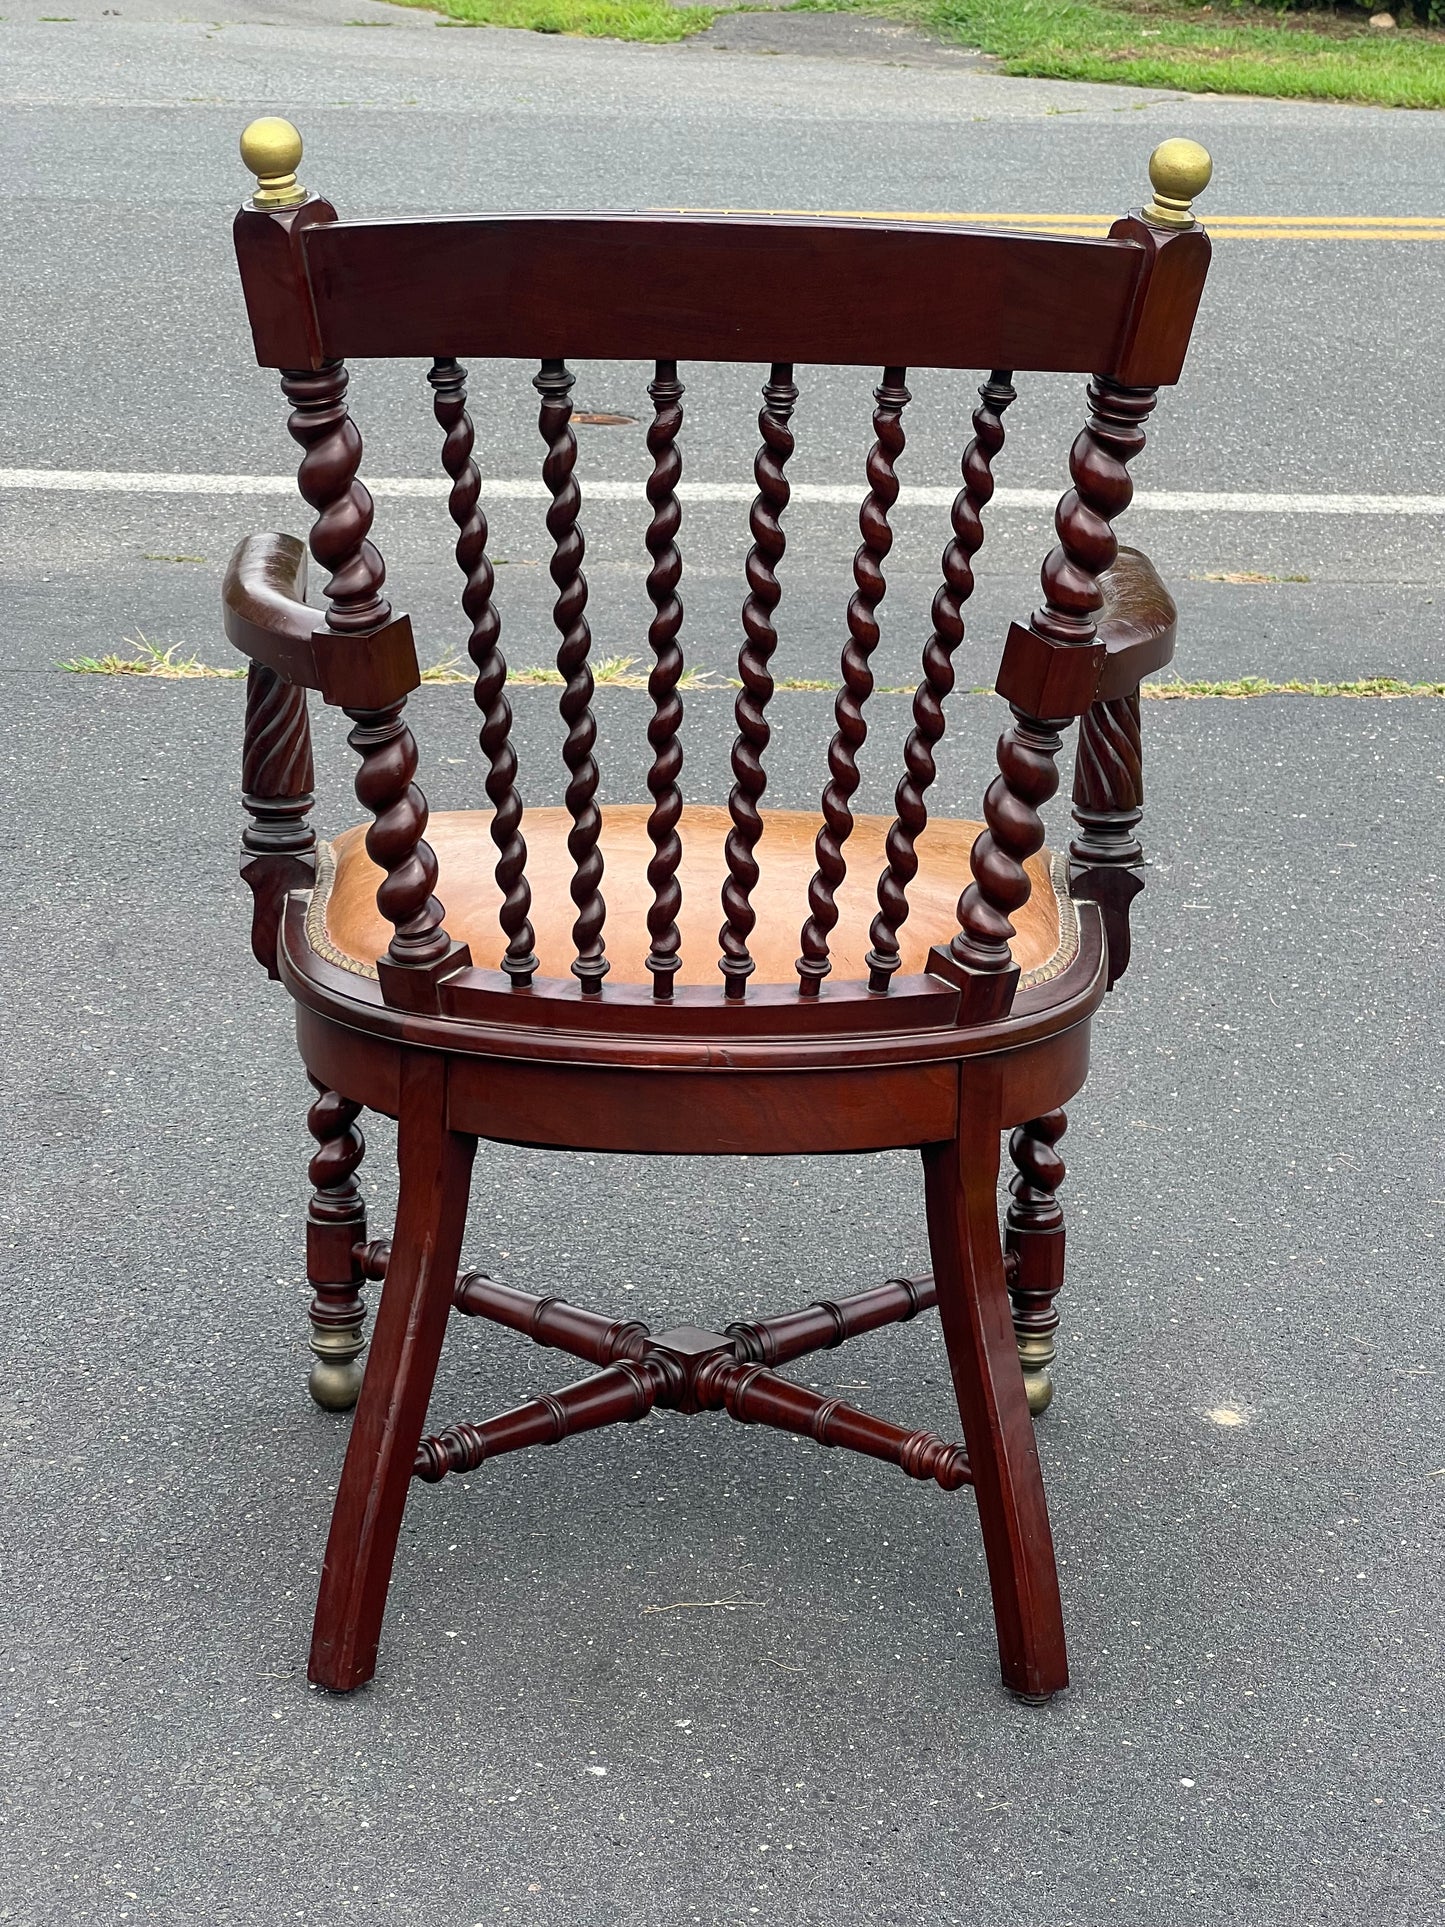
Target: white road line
1182,501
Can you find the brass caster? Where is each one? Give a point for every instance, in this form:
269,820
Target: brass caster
1036,1355
1040,1389
336,1374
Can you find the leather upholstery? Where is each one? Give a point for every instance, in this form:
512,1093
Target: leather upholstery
467,887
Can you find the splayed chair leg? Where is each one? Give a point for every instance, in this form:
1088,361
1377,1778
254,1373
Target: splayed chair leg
435,1166
961,1178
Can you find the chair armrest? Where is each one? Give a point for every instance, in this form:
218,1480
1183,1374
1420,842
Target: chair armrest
263,606
1137,624
1043,675
266,617
1136,628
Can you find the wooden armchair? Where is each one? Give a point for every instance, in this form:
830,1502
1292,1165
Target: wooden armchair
864,991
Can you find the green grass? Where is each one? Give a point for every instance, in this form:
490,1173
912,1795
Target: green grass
1199,49
1230,47
148,658
1244,686
613,19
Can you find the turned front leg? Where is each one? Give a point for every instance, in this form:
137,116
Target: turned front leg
1034,1241
335,1229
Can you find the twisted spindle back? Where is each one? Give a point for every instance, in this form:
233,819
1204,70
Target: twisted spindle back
735,288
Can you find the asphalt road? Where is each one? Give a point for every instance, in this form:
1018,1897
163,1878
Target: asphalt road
1254,1733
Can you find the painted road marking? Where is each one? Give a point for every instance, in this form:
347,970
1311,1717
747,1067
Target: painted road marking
106,481
1091,227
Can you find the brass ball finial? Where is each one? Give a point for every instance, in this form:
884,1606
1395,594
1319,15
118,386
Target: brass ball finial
1178,170
271,148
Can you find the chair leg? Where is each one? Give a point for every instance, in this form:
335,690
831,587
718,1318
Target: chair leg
435,1169
335,1225
961,1177
1035,1240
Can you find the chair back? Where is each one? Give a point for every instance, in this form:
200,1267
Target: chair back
673,289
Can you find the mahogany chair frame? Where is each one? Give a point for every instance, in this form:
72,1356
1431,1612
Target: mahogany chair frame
943,1062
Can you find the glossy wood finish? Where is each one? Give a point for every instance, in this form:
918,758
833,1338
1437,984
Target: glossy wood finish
1034,1248
278,846
780,396
664,730
335,1225
554,385
937,680
851,731
1050,673
959,1180
449,382
435,1167
833,1029
724,288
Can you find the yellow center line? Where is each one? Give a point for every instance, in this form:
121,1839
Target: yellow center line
1224,227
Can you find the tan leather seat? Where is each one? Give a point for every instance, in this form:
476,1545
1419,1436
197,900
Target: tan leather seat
347,926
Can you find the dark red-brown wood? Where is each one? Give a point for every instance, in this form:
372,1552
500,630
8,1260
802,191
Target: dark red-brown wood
708,288
943,1061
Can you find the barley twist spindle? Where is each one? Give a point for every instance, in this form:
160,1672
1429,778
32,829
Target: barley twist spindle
780,397
919,766
851,731
663,958
1027,750
327,479
554,384
449,381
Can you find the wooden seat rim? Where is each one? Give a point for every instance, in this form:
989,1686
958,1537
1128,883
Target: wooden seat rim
768,1111
355,1003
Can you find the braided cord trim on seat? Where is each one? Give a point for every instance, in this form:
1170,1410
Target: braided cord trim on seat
1068,944
317,935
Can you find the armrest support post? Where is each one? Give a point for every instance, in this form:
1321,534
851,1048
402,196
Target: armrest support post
278,846
420,952
1050,674
1106,858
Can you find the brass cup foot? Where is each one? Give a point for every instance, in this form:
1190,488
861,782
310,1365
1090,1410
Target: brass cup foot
337,1370
1036,1355
1039,1386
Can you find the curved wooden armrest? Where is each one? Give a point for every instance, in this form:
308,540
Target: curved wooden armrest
1136,624
1136,628
263,606
1043,675
264,612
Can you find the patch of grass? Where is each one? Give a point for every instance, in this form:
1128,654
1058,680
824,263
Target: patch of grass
1173,691
1210,49
1247,576
613,19
615,672
148,658
1257,686
447,670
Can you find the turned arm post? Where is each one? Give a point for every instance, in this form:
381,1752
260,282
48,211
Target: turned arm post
1051,672
1048,675
1106,858
363,657
278,846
